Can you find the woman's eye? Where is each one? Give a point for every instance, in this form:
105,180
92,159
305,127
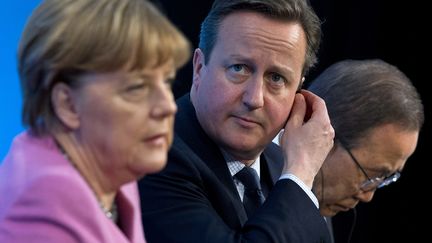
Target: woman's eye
135,87
135,92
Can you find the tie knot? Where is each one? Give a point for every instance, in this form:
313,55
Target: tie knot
249,178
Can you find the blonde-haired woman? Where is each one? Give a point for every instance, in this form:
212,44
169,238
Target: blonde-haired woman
97,102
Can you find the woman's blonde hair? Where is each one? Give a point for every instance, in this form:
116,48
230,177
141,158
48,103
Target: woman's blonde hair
66,37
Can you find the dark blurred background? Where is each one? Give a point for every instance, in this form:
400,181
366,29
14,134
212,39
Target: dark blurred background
394,31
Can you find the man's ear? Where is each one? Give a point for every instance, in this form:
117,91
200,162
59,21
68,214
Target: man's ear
62,99
300,84
198,66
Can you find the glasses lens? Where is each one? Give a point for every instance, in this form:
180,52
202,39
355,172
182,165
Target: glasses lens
390,179
371,184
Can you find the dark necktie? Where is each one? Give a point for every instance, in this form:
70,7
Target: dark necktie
253,196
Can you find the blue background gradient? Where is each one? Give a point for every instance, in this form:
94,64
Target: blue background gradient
13,16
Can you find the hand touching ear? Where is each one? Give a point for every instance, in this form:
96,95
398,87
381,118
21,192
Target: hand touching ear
307,137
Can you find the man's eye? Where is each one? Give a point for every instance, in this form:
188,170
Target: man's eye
238,69
277,80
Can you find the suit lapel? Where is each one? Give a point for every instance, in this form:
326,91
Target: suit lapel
188,128
274,160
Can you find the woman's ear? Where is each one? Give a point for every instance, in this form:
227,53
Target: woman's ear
62,99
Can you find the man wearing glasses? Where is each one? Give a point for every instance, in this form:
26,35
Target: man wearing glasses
377,115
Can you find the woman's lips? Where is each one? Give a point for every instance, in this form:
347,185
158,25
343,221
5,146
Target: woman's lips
156,140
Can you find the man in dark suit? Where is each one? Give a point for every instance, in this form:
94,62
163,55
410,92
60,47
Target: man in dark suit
247,71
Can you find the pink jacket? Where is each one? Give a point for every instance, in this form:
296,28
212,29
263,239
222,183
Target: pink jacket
44,199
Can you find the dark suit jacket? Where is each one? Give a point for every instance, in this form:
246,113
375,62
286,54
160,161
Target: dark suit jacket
194,198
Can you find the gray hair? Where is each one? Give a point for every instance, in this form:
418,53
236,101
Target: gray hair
363,94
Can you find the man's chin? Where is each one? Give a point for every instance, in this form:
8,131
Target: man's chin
328,212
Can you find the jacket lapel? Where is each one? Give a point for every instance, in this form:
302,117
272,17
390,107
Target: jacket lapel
274,160
189,130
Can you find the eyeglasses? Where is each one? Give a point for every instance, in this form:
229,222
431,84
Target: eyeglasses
372,184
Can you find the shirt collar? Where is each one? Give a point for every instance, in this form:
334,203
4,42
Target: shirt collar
235,166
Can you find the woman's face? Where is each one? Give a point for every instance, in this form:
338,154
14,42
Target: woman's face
126,119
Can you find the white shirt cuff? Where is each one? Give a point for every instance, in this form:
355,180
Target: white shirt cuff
303,186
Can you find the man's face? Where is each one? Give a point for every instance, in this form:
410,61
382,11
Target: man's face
244,94
384,151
